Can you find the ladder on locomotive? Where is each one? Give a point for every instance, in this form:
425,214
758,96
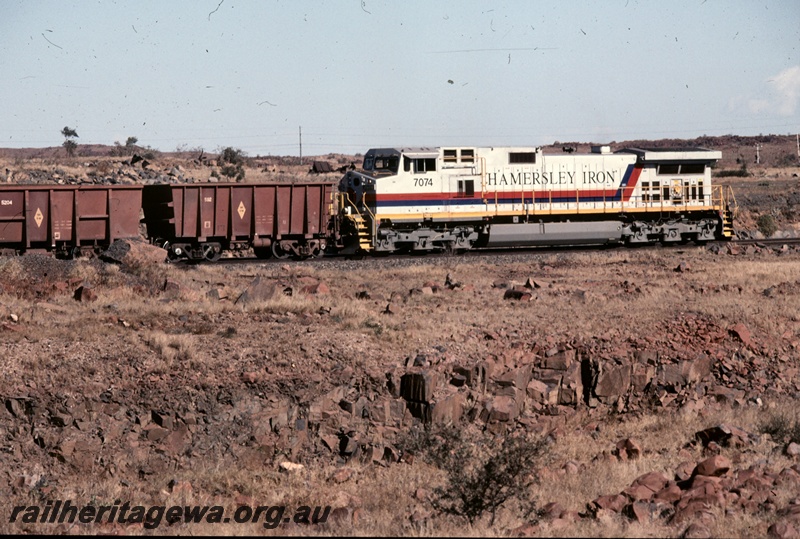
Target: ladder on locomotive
362,232
725,200
362,226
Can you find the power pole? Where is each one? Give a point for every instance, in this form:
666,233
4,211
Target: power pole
300,132
758,156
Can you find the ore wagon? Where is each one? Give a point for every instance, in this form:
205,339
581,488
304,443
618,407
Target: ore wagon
201,221
67,219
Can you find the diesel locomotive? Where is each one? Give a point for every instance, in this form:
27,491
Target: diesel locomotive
458,198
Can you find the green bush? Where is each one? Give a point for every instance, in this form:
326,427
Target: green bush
231,161
767,225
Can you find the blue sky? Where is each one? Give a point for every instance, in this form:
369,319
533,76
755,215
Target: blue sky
356,74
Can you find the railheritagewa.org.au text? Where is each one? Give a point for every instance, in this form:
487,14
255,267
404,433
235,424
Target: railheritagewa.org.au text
151,517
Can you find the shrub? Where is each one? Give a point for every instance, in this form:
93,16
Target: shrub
767,225
481,475
782,426
742,173
231,162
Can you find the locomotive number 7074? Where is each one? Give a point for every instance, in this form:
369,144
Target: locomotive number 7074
423,182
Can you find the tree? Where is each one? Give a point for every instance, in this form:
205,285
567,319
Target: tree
129,149
69,143
231,161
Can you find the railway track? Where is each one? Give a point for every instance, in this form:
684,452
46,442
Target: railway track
482,253
766,242
471,254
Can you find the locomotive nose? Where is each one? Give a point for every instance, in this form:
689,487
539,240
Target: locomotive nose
351,181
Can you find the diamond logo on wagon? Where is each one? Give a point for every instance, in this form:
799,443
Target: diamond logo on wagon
38,217
241,210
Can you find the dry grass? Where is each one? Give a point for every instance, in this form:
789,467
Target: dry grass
136,333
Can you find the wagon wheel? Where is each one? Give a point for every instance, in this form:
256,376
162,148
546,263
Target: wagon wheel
278,251
171,256
211,253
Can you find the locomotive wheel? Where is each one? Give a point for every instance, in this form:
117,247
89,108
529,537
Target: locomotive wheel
279,252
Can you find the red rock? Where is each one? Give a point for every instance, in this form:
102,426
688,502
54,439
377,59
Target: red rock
697,530
638,511
655,481
560,361
448,410
782,530
342,475
611,502
175,442
518,378
536,390
741,332
519,295
714,466
638,492
724,435
155,433
503,409
669,494
171,286
417,386
612,382
250,377
318,289
629,449
694,509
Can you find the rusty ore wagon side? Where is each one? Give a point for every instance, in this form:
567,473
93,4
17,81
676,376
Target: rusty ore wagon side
67,219
201,221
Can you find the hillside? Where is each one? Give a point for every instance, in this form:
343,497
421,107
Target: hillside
774,150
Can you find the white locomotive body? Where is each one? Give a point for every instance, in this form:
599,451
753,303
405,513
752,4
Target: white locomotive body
463,197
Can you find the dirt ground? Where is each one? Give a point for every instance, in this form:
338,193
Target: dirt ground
653,391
